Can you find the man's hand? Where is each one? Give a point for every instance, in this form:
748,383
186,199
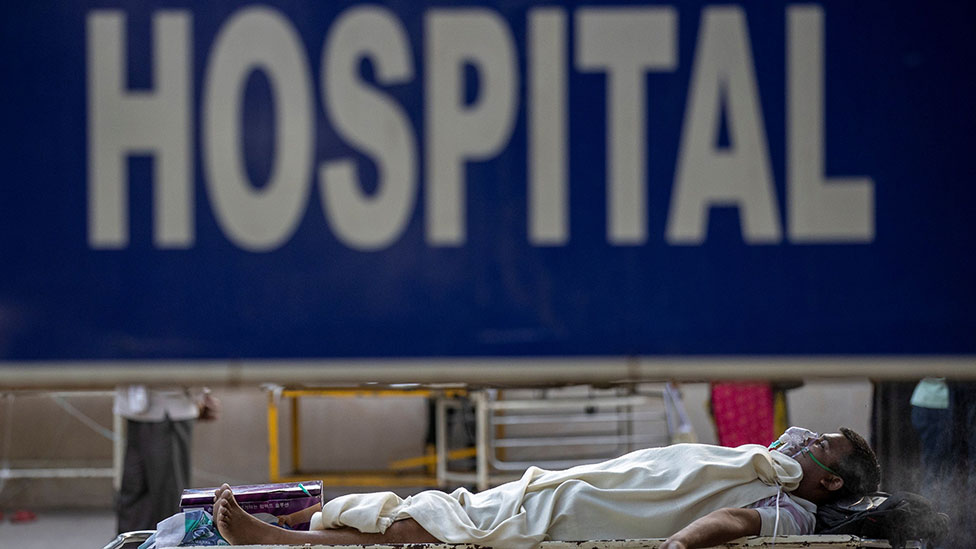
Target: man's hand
716,528
209,407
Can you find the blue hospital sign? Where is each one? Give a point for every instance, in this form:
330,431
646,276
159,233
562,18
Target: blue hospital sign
330,180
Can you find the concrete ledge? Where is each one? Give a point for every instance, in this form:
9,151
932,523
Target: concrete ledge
500,371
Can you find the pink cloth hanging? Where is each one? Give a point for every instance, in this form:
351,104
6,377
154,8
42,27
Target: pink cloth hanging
743,413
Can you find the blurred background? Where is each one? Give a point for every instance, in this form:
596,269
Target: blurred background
400,242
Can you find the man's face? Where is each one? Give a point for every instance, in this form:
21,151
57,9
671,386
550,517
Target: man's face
829,450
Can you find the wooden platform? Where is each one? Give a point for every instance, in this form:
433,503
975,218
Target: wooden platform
782,542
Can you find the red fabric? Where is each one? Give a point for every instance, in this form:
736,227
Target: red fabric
743,413
23,516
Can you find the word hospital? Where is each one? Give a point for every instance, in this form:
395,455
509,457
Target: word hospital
453,128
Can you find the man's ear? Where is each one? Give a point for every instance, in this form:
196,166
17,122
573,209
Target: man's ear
832,483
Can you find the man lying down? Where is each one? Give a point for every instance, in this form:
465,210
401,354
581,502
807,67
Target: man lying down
695,495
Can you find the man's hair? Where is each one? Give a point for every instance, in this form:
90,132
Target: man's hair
860,468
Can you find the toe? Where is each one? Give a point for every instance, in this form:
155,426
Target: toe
224,493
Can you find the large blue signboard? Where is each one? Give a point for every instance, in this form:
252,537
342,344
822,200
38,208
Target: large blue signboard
324,180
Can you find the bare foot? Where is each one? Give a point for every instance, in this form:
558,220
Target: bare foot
240,528
237,526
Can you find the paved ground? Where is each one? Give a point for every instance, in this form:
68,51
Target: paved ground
56,529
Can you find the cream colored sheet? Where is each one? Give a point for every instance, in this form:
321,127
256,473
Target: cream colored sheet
649,493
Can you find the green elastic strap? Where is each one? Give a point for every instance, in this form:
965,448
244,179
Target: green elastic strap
817,461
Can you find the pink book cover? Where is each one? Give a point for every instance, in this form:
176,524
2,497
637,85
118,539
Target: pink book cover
272,503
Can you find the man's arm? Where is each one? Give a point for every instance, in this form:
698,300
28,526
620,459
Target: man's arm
716,528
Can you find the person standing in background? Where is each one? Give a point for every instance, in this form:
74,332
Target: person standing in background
962,408
157,464
932,421
750,412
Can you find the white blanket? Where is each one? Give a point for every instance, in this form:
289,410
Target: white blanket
649,493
